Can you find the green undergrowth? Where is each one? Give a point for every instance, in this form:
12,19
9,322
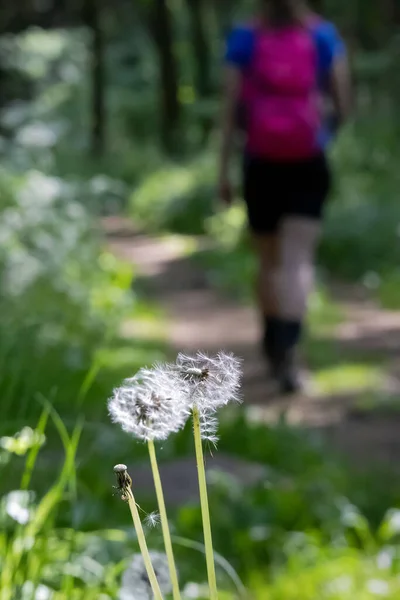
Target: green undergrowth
74,323
307,517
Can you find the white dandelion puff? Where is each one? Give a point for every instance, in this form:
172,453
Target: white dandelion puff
213,381
135,584
149,405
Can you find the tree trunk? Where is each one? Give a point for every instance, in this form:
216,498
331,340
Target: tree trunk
223,12
161,26
97,70
201,51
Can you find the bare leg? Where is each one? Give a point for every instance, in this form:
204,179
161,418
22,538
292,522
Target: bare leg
268,254
292,281
267,249
294,276
286,273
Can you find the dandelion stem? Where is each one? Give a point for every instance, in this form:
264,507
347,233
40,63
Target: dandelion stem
212,581
143,545
164,521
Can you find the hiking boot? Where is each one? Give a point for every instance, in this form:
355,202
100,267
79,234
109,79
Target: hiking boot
270,358
278,347
287,375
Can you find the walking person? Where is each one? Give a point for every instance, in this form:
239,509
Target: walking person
287,85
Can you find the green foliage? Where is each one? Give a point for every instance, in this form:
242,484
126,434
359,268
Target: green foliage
361,229
176,198
309,519
37,558
331,574
312,529
63,297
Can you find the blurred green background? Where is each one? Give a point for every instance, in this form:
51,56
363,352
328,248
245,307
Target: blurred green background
111,109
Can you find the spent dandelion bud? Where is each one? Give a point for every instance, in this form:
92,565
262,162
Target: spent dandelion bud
120,468
150,405
124,487
124,481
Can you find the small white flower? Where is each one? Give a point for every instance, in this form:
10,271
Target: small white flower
30,591
43,593
37,135
21,271
149,405
342,584
17,506
22,441
135,583
40,190
75,212
194,591
378,587
385,558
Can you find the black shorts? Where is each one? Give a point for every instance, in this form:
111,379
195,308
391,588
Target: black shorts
273,190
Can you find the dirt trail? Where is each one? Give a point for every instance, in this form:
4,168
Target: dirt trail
200,318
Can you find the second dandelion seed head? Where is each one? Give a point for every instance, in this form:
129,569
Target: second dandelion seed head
213,381
149,405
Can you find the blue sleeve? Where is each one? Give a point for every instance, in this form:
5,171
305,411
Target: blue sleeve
330,46
239,47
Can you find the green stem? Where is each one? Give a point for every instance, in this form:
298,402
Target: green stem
143,545
164,521
205,513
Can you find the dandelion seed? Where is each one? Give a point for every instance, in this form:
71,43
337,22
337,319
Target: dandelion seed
208,427
150,405
135,583
152,520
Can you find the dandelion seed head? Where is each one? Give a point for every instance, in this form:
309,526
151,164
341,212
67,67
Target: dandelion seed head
149,405
213,381
135,584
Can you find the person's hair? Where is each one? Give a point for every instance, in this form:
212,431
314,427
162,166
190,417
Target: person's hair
282,12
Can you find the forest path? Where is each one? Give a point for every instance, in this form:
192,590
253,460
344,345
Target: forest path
199,317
